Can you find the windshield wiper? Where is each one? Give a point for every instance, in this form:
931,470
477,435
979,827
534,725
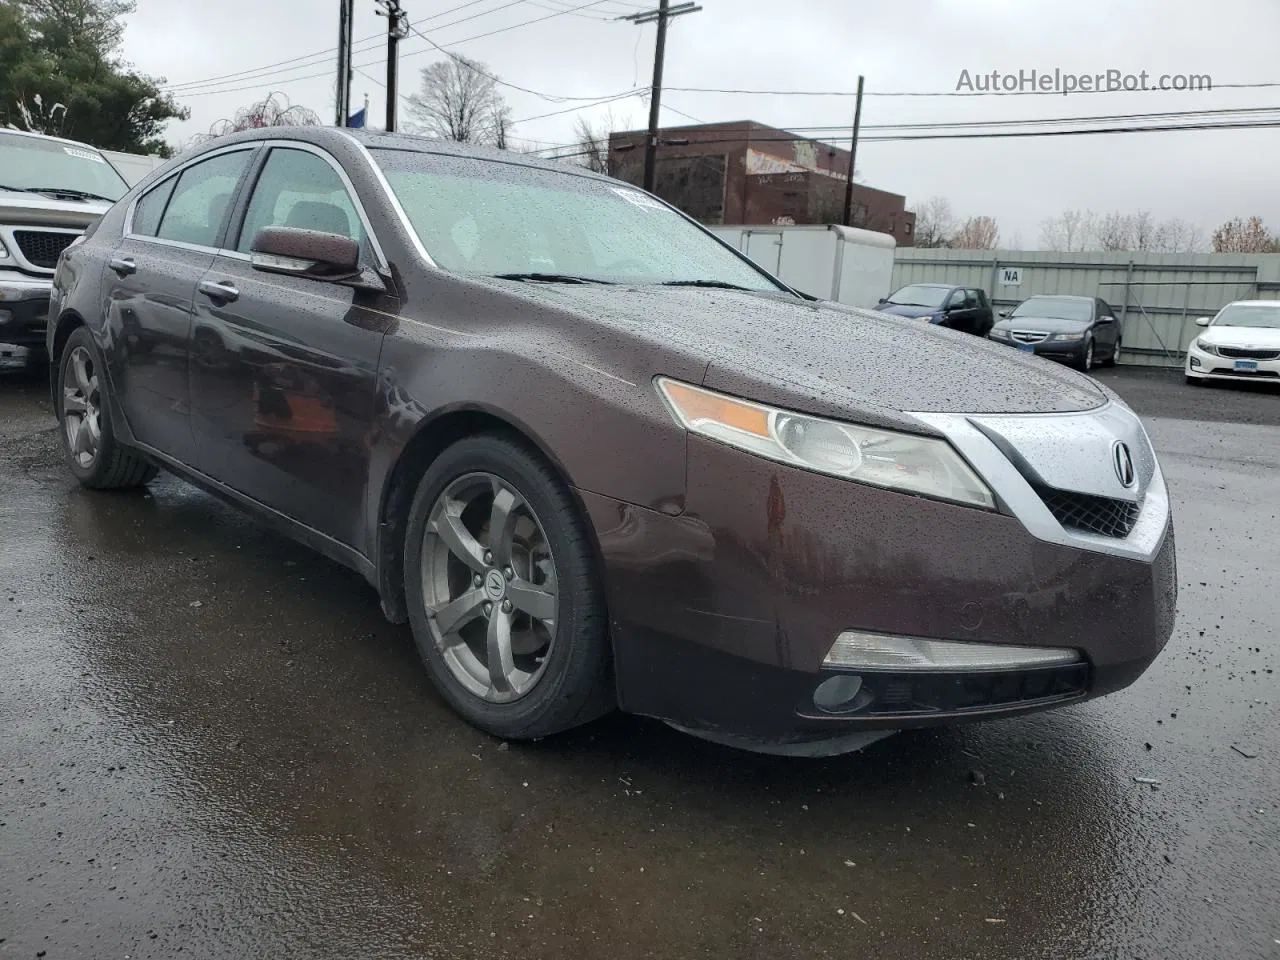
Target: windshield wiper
549,278
68,191
715,284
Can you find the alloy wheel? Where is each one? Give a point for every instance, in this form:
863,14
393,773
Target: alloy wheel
81,410
489,586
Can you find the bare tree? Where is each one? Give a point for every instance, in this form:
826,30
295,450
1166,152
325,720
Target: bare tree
1245,236
934,222
977,233
1178,236
459,100
1068,232
593,144
1113,232
274,110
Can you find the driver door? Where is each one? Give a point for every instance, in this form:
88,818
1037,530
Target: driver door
284,369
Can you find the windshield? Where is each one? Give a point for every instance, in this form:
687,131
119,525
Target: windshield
919,295
504,219
1249,315
1060,308
29,163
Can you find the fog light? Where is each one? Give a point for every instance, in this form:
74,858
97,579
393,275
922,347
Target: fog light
5,317
1195,363
837,694
879,651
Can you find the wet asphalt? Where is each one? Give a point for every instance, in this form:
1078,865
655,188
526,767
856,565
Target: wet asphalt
212,745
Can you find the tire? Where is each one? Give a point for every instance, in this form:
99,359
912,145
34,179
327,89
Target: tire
560,673
94,455
1112,360
1085,363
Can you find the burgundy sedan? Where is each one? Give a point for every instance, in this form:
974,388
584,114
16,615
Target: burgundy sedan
598,460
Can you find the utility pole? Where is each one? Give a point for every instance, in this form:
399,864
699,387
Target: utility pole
661,16
346,16
853,157
397,30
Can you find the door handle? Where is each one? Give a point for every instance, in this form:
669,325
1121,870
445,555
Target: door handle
221,291
123,266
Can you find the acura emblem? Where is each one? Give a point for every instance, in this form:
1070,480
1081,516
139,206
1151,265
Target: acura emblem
1123,462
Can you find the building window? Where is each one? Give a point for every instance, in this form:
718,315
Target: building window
906,227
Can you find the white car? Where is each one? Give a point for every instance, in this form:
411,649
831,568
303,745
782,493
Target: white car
1241,343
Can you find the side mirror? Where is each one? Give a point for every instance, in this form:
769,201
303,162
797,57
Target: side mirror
306,253
882,300
1203,321
1106,319
1003,314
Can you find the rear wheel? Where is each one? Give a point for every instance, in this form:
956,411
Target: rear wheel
1115,355
504,599
95,457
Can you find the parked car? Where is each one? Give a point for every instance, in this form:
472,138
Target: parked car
50,190
1241,342
960,308
1082,331
598,459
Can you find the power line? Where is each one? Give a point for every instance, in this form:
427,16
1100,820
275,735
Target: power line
374,63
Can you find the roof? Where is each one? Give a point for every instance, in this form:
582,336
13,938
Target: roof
330,136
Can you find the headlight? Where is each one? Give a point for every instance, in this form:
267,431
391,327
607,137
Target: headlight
4,251
1206,347
1067,336
882,458
1000,334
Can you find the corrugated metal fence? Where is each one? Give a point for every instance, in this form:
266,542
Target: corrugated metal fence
1156,296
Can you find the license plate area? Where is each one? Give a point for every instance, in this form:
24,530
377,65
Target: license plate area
1026,347
1246,365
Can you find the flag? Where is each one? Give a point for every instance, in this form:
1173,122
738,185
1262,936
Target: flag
357,118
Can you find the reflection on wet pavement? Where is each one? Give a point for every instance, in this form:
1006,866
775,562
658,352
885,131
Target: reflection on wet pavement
213,742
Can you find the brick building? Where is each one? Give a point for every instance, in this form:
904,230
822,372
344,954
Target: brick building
746,173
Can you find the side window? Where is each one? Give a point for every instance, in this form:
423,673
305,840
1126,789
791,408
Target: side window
201,198
297,188
1104,309
971,300
146,215
957,299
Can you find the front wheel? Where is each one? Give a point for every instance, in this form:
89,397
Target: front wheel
505,601
1115,355
1085,363
88,440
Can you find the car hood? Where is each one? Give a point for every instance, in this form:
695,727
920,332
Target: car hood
820,357
907,310
1243,337
37,209
1044,324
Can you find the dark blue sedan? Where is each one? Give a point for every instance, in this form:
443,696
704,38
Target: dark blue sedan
961,308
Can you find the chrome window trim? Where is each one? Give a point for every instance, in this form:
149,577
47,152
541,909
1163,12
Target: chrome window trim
392,199
177,172
1013,489
232,253
346,182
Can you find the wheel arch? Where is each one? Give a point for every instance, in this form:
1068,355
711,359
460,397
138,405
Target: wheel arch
68,322
429,439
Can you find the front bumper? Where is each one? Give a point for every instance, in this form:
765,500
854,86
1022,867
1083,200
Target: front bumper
24,309
1208,366
1066,351
722,616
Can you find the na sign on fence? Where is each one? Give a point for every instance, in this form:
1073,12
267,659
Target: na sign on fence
1010,276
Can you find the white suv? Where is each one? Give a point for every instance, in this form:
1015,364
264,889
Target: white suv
50,191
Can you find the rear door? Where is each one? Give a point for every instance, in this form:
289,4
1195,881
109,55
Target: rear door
959,316
149,288
284,368
983,318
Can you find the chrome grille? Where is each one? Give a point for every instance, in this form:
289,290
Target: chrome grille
1243,353
1030,336
41,248
1084,511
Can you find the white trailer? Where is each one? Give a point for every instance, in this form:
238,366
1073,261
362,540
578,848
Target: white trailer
844,264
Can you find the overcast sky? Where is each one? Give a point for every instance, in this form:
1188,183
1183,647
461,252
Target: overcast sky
900,45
